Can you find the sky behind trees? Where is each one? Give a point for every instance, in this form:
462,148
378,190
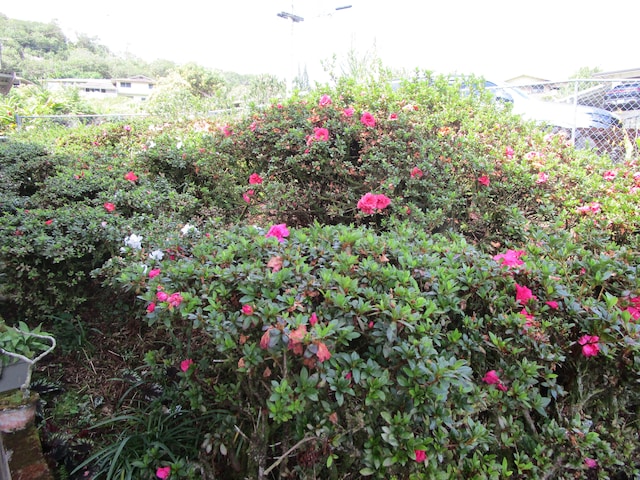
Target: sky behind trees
499,39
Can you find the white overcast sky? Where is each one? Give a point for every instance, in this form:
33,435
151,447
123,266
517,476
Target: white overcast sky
498,39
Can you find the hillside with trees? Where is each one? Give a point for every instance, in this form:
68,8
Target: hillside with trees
36,51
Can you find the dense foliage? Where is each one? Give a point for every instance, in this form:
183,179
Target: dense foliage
355,282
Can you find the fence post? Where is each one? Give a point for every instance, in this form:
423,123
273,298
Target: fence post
18,121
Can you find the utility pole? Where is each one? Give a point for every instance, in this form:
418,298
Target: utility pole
298,19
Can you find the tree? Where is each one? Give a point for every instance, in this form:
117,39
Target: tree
265,87
202,82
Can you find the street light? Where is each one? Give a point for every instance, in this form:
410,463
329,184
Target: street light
294,18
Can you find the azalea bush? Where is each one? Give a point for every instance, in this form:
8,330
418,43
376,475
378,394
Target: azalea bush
360,281
64,217
337,350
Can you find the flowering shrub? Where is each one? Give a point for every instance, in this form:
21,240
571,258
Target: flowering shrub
407,353
476,319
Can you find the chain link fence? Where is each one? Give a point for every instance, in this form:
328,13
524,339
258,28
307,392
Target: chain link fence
606,112
598,114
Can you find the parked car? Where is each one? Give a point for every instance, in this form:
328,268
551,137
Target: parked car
553,114
589,127
625,96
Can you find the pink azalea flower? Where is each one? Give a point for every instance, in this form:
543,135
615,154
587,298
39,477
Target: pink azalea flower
634,311
313,319
163,472
511,258
609,175
593,207
416,172
132,177
523,294
348,112
590,463
492,378
127,128
279,231
532,155
323,352
508,152
321,134
542,177
295,339
247,310
162,296
371,202
590,347
253,126
265,339
247,196
527,316
393,116
109,207
154,273
368,120
49,222
226,131
151,307
484,180
421,455
255,179
175,299
185,364
324,100
552,304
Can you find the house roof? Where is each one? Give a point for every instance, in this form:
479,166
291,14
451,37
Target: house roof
135,78
525,80
628,73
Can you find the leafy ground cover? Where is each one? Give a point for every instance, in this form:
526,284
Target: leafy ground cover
355,283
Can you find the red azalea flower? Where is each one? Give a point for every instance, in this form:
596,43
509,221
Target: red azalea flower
109,207
416,173
484,180
255,179
371,202
321,134
132,177
185,364
524,294
421,455
368,120
247,310
590,346
163,473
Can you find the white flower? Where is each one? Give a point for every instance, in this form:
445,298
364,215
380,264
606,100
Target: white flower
179,145
152,144
156,255
187,229
133,241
